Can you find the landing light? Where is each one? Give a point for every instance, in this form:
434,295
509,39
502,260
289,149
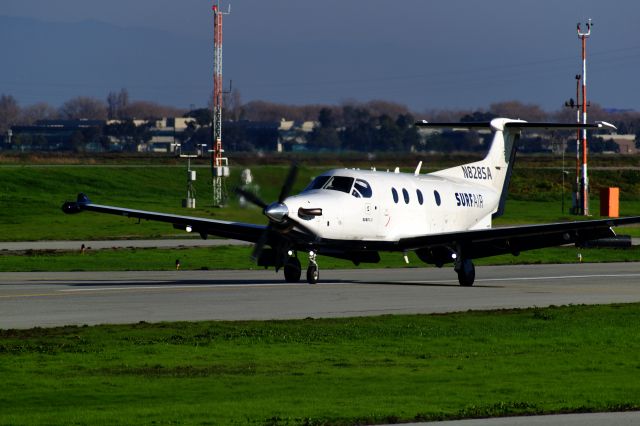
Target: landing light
188,228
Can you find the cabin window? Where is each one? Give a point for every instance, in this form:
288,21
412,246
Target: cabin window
405,195
395,195
361,189
420,198
436,195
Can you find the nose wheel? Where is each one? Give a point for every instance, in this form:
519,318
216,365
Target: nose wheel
313,273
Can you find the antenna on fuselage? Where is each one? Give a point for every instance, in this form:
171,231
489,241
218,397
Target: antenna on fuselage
417,172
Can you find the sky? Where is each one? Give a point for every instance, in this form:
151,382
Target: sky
427,54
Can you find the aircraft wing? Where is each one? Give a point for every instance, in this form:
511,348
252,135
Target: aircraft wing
471,244
236,230
514,239
489,242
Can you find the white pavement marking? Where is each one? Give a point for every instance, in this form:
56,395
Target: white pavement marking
173,287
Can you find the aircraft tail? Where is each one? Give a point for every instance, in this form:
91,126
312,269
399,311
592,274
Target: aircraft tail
494,171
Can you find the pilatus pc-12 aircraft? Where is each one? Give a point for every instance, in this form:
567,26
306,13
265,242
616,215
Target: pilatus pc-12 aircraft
445,216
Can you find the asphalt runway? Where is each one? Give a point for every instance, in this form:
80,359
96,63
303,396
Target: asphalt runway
77,298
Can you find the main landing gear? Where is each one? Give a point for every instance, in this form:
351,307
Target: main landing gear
466,272
293,269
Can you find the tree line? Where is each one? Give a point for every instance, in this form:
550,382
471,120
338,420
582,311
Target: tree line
359,126
116,106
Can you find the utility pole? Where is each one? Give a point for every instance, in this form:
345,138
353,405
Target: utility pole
584,181
219,164
576,203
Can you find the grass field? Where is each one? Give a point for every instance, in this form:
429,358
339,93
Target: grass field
307,372
31,197
325,372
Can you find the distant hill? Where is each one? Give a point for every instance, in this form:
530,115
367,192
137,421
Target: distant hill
52,62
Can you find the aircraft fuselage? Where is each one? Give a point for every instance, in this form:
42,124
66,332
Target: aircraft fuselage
387,206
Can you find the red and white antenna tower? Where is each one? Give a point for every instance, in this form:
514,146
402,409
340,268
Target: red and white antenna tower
584,180
219,164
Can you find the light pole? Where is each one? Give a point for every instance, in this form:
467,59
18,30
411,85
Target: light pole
564,173
576,203
584,181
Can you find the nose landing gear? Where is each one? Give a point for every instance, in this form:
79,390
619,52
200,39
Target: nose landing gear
293,270
313,273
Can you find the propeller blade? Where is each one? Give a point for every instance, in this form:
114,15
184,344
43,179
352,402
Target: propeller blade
253,198
262,241
288,183
278,214
300,225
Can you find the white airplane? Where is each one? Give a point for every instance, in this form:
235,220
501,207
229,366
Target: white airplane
445,216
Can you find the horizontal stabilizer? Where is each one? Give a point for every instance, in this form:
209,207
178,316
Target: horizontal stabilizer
516,125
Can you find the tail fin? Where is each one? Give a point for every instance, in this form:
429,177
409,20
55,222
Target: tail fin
494,170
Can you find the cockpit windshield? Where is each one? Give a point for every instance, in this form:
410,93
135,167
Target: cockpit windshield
335,183
317,183
339,183
361,188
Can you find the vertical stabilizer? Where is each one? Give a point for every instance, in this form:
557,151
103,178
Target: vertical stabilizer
494,170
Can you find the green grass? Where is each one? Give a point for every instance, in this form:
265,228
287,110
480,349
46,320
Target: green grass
314,372
325,372
237,257
31,197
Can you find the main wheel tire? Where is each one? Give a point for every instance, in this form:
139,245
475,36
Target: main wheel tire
466,273
313,274
292,270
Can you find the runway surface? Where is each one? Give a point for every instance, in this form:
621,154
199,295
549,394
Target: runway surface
53,299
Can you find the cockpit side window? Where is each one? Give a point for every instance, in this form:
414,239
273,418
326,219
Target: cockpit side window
362,189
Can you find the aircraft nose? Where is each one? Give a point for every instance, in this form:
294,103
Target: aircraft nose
276,211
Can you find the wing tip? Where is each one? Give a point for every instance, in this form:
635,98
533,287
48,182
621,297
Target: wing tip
72,207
